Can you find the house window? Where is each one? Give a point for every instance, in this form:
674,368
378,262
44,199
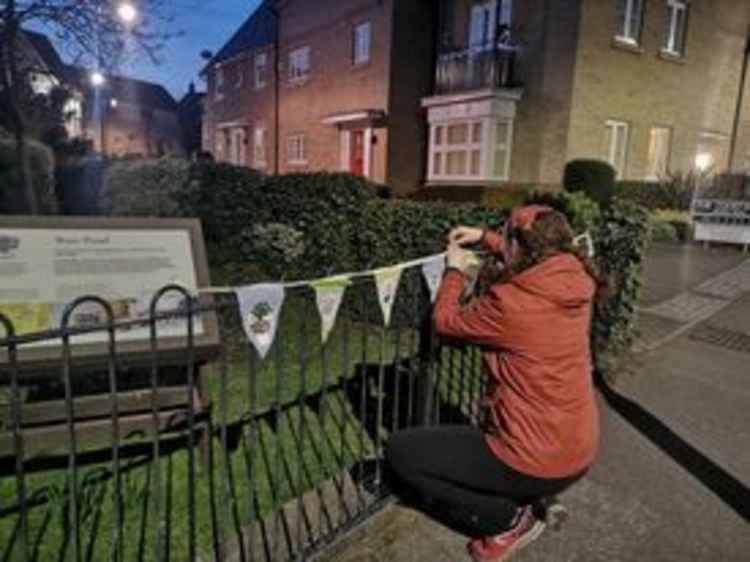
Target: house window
261,61
295,149
712,152
489,21
616,145
660,140
503,149
674,38
219,86
240,77
457,150
259,146
361,42
238,147
629,21
299,64
222,145
73,116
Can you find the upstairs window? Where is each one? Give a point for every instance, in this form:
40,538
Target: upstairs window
629,21
299,64
616,145
674,37
361,41
219,84
261,64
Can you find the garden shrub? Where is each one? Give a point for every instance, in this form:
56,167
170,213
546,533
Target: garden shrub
486,196
41,164
675,191
143,188
662,231
595,178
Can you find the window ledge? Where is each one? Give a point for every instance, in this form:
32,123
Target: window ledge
297,163
298,82
361,65
629,46
672,57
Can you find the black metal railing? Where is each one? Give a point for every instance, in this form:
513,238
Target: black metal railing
227,458
475,68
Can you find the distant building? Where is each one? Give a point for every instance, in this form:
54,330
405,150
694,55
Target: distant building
128,117
490,92
45,71
190,113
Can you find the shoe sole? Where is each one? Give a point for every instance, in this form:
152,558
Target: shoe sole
528,538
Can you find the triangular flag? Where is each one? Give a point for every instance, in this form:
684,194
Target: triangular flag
260,306
387,281
433,270
328,294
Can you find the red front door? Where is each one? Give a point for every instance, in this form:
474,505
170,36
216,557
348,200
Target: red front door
357,153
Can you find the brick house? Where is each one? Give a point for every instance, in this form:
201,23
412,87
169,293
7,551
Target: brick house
524,87
487,91
341,102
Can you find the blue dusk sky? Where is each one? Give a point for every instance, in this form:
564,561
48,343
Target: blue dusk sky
205,24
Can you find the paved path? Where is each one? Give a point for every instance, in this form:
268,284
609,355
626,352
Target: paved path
671,483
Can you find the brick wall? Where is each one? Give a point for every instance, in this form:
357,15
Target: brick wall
412,76
335,85
697,93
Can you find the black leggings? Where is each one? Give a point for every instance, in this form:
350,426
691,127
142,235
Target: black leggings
453,471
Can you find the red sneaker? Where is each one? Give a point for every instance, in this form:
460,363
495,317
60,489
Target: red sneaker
500,547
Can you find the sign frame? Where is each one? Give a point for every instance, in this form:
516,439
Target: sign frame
129,353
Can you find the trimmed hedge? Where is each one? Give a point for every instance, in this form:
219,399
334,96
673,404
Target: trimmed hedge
595,178
495,197
311,225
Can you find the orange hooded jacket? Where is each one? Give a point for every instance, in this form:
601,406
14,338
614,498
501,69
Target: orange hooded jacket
534,329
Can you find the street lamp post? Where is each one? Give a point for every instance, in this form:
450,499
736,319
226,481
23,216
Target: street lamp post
127,13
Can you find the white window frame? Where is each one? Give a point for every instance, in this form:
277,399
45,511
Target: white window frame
240,75
296,151
624,32
468,147
612,155
299,65
238,146
219,83
362,43
261,70
259,146
508,146
674,7
652,174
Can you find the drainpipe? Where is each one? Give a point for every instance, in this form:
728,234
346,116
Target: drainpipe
273,8
740,102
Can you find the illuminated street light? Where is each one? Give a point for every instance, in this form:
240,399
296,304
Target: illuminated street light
97,79
127,12
703,161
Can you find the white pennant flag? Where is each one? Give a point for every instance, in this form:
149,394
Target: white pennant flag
387,281
260,306
433,270
328,295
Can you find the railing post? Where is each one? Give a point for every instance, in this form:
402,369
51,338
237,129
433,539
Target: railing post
425,387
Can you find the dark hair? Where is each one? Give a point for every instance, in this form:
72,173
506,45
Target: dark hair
550,234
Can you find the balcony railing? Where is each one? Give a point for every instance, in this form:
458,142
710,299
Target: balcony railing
476,68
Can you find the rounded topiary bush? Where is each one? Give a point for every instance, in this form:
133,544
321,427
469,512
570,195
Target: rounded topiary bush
595,178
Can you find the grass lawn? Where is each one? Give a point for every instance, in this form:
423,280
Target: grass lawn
277,447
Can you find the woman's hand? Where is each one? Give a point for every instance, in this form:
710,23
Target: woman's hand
458,258
465,235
